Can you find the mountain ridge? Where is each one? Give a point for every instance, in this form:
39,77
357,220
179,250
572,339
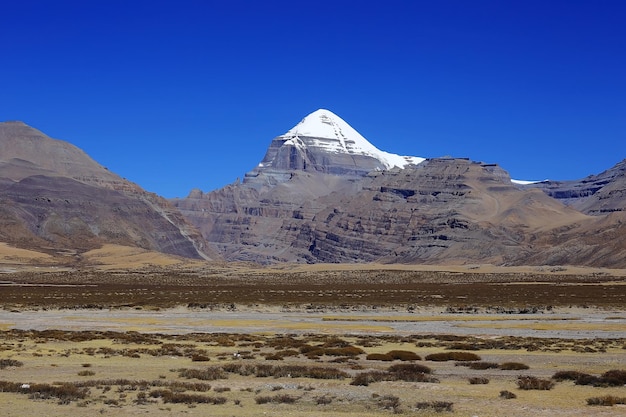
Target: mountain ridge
55,196
440,210
329,197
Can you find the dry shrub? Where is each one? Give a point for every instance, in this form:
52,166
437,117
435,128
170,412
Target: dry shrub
86,373
607,400
399,372
285,371
404,355
224,341
316,372
389,402
438,406
264,371
284,399
453,356
413,377
323,400
513,366
133,385
344,351
478,380
273,357
379,357
366,378
463,346
614,377
6,386
409,369
276,399
206,374
481,365
586,379
534,383
186,386
65,392
5,363
285,343
142,398
315,351
199,357
507,395
280,355
569,376
335,342
239,368
181,398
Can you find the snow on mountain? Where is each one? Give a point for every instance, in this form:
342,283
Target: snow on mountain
524,182
326,131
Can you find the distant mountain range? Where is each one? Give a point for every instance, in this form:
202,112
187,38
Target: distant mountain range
322,193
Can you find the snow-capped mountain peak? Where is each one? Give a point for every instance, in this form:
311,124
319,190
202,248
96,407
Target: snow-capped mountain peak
328,132
324,124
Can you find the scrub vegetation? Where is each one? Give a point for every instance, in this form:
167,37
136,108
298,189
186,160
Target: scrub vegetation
330,371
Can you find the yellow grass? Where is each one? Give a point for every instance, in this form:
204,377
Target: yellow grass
162,324
479,268
117,256
11,255
6,326
550,326
445,318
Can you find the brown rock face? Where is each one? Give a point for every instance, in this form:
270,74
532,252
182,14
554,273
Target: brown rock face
441,211
54,197
248,223
596,194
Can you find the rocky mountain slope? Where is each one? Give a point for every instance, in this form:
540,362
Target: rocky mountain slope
595,194
55,198
324,195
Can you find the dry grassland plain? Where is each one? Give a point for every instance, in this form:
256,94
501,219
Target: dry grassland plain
239,340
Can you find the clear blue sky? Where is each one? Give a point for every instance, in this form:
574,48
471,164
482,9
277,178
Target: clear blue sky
176,95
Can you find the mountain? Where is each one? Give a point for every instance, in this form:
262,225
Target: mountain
55,198
323,142
595,194
323,193
322,154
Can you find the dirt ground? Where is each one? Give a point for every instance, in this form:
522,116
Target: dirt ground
240,340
